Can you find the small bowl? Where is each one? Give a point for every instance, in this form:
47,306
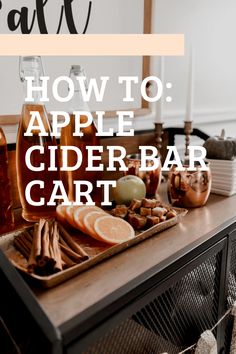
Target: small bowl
189,189
152,179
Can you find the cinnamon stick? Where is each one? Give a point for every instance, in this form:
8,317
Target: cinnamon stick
28,235
51,261
62,241
56,248
45,254
71,254
67,250
45,260
30,232
50,242
37,238
36,246
49,250
32,263
26,241
21,248
73,245
67,261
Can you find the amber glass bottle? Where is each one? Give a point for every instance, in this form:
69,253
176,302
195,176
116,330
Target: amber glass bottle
32,66
6,214
88,139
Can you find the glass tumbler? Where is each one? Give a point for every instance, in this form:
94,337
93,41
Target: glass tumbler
189,189
152,179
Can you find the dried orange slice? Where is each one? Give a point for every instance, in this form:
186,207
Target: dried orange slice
69,214
61,212
113,230
80,213
89,221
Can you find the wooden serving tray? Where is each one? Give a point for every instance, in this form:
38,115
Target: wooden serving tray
96,250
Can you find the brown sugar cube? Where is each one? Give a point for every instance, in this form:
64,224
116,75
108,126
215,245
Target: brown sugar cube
159,211
137,221
162,218
135,204
149,203
145,211
130,212
152,220
130,216
120,211
171,214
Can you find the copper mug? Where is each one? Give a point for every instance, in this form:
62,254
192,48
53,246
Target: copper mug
189,189
152,179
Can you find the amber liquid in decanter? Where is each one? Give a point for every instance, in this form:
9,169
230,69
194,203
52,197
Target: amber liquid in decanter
6,214
88,139
25,175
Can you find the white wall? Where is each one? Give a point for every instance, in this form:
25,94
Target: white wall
207,24
210,26
107,16
11,89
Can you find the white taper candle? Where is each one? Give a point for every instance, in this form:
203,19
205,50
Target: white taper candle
158,107
190,86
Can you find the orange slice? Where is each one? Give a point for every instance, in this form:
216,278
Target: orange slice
69,214
113,230
61,212
89,221
80,213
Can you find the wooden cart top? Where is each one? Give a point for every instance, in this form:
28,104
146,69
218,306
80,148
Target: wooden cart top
82,293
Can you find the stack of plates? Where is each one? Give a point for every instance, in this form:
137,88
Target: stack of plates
223,176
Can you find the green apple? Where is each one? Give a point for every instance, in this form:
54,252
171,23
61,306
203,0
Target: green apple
128,188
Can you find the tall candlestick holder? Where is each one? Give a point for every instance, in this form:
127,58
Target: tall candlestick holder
188,129
158,136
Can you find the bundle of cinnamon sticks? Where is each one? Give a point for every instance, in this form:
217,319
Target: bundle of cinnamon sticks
49,248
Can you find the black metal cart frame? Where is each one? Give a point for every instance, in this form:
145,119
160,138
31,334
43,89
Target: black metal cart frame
192,290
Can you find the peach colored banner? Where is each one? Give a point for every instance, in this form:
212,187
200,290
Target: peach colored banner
92,44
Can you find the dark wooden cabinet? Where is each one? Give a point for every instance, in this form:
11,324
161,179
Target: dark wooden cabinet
175,308
23,324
